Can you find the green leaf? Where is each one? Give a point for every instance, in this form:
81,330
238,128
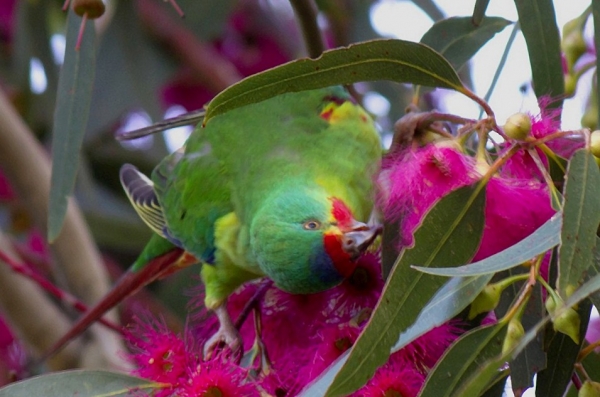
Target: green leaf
538,23
389,252
80,383
562,355
533,358
596,17
479,11
595,270
70,118
540,241
450,233
463,359
448,302
458,39
581,216
487,371
395,60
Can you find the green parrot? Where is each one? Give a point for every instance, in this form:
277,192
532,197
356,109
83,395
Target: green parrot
281,189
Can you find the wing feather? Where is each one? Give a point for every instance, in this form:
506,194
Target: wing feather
140,191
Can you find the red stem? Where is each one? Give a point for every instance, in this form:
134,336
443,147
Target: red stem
63,296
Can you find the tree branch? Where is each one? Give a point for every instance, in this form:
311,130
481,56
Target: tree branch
35,319
306,13
27,166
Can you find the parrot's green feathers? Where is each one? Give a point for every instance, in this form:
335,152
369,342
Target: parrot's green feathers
274,188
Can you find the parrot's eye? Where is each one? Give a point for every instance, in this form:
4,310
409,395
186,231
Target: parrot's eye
311,225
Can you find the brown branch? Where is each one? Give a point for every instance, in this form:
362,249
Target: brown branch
27,166
35,319
306,13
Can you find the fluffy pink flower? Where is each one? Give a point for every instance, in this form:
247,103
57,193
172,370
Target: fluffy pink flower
514,209
359,291
593,331
393,382
7,193
425,351
12,356
413,180
160,354
329,344
217,378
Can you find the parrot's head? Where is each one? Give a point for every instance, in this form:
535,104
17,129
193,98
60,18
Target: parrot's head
307,241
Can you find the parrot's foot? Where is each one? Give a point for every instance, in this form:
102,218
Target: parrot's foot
226,334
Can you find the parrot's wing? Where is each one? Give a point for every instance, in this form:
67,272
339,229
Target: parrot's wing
193,190
140,191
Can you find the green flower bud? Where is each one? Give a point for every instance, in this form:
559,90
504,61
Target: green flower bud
570,85
518,126
486,301
589,389
568,323
514,334
590,118
573,43
595,143
550,304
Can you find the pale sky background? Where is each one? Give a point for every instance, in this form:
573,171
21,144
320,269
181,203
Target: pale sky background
403,20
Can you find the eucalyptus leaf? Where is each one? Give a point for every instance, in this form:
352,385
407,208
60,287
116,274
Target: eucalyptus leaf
538,24
448,302
533,358
487,371
596,18
395,60
70,118
458,38
450,233
463,359
581,216
562,355
80,383
538,242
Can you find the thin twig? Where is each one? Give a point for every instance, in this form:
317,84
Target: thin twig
306,13
64,296
27,166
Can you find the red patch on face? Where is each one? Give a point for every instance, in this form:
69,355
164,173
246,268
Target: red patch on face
341,213
341,260
326,115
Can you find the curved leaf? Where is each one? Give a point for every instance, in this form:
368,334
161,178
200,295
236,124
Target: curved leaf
538,23
80,383
450,233
596,18
533,357
396,60
487,371
540,241
448,302
562,355
70,118
463,359
458,38
581,216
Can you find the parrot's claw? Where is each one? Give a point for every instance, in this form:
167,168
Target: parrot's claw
226,334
